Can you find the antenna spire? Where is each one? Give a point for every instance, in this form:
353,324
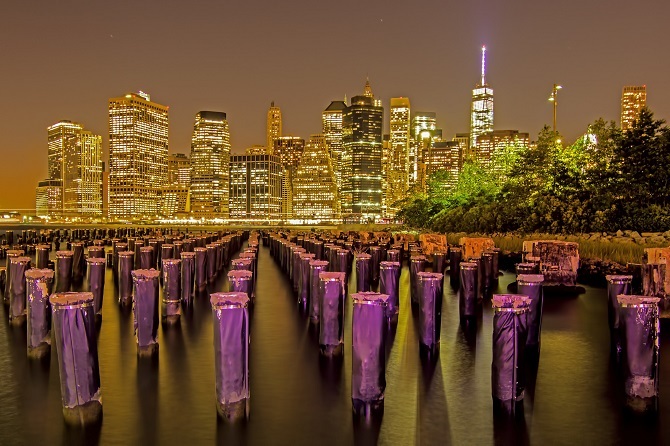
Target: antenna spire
484,65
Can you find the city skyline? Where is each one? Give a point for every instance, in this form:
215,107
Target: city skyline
529,48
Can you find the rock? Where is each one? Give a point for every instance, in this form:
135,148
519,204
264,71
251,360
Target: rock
635,235
650,234
657,239
640,241
666,234
619,233
627,232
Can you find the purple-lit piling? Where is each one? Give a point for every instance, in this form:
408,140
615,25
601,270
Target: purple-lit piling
63,271
42,256
417,264
368,341
331,312
510,330
239,281
616,285
145,310
455,256
139,244
211,263
38,288
78,262
487,271
389,283
17,289
296,266
467,292
147,257
303,281
187,277
77,350
363,272
376,253
126,263
96,283
526,268
230,312
171,304
531,285
96,252
430,312
316,267
393,255
200,268
640,329
439,261
342,259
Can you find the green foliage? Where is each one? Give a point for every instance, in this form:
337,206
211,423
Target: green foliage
606,180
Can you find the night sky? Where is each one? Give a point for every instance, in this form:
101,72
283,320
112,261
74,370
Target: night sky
64,59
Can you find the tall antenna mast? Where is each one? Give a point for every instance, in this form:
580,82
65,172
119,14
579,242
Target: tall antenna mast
483,65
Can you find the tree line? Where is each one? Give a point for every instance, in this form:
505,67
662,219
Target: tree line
607,180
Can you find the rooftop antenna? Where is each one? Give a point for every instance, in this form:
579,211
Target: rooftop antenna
484,65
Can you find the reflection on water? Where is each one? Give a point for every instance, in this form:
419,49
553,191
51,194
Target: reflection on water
299,397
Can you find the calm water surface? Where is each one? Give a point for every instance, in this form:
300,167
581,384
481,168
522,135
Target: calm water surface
299,399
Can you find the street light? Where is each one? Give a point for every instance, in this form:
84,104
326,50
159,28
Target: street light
554,98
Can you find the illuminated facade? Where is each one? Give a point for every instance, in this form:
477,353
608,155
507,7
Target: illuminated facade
75,159
397,167
210,158
491,142
49,199
362,124
463,140
274,126
255,187
331,126
446,156
481,115
175,196
424,133
289,150
179,170
314,185
138,152
633,99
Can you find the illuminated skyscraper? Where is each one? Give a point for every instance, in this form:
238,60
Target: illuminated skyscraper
445,156
274,125
138,152
175,194
75,160
49,199
633,99
210,156
331,120
362,124
424,133
463,140
491,142
255,187
397,172
257,149
289,149
481,116
314,185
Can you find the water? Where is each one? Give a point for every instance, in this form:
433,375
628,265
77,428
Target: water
297,398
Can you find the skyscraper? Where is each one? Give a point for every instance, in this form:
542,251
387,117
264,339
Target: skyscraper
633,99
255,187
210,156
445,156
362,124
331,120
175,194
481,114
491,142
179,169
314,185
397,172
75,160
138,151
274,125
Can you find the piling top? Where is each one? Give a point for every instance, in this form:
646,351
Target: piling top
199,249
468,265
394,251
171,261
145,274
331,276
229,300
96,260
60,253
370,297
626,300
42,247
511,302
71,299
187,255
304,256
323,263
126,253
363,255
530,279
241,261
429,276
619,279
417,258
37,274
122,246
386,264
167,246
247,255
240,274
487,254
20,259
